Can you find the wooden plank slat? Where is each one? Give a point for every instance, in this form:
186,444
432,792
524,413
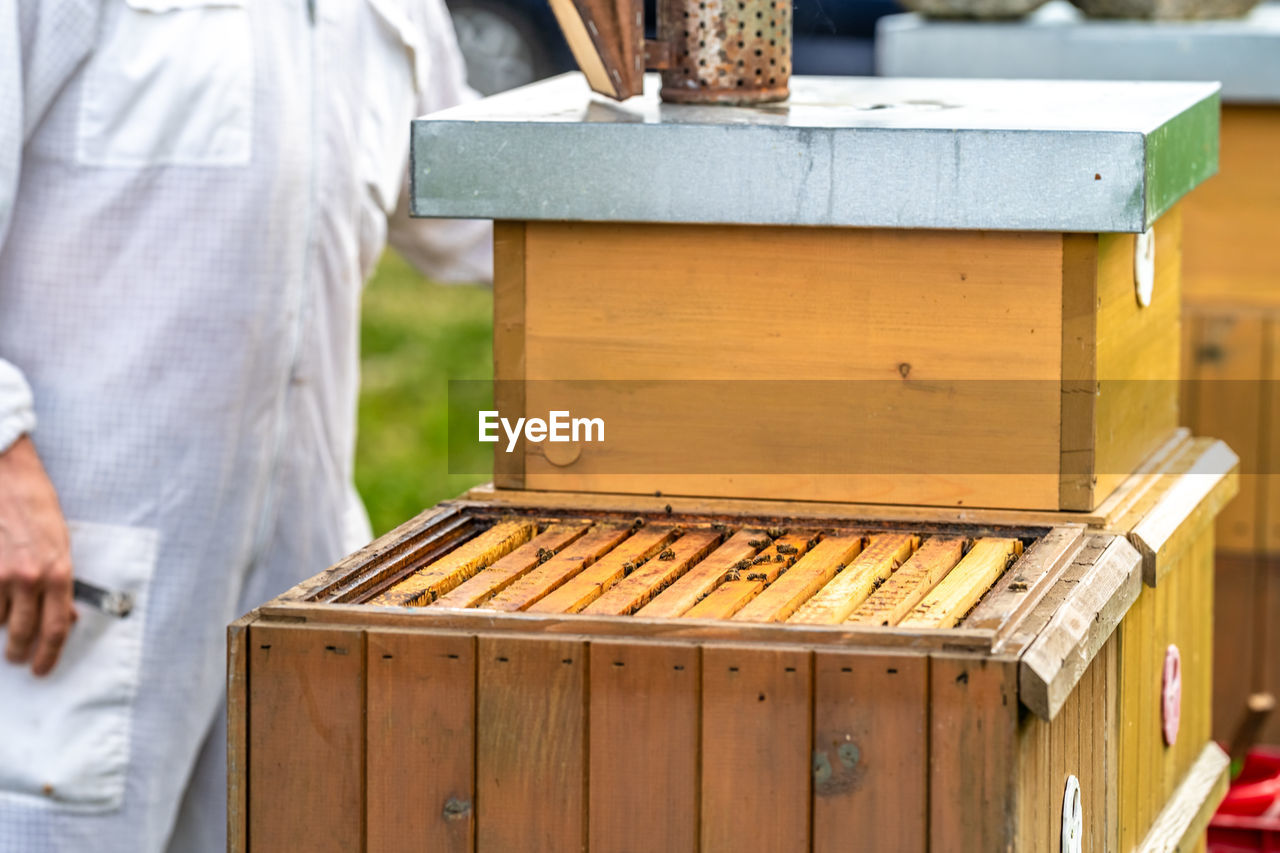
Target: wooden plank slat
306,770
639,587
509,345
973,730
419,742
238,733
884,553
957,593
501,574
587,585
756,742
530,744
643,747
540,581
700,580
908,585
432,581
870,756
809,574
743,585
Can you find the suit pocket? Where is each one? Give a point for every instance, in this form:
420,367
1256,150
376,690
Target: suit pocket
67,736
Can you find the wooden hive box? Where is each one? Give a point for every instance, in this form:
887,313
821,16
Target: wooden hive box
537,671
1231,269
924,294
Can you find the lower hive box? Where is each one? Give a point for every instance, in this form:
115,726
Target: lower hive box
543,672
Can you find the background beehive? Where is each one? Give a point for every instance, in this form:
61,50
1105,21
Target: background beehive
1231,272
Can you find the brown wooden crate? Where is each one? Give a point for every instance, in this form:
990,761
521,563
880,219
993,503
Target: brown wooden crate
748,740
306,738
419,736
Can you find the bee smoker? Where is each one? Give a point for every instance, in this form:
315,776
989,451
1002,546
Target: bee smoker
709,51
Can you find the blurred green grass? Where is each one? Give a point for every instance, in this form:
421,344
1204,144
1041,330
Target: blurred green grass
416,336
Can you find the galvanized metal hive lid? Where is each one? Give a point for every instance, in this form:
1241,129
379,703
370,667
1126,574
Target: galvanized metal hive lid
1058,42
1089,157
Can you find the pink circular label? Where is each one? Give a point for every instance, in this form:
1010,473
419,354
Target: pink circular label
1171,698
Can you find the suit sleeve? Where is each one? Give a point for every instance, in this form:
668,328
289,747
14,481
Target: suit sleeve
454,250
42,44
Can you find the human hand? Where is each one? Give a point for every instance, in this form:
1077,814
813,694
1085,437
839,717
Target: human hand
35,561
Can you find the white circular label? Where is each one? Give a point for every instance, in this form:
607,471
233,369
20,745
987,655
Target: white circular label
1072,818
1144,266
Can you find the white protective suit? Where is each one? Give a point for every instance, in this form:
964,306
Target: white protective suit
191,195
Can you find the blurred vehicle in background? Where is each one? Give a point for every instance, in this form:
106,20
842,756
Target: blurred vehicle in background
508,43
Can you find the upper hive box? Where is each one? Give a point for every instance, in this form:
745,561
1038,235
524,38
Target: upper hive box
894,291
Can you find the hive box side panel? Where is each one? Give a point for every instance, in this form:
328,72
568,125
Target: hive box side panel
870,752
420,737
644,742
1139,352
306,738
1080,741
938,321
530,744
973,743
1179,611
756,742
1225,400
1232,255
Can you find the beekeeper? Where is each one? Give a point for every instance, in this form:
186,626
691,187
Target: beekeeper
191,195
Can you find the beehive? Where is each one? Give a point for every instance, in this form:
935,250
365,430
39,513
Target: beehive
525,671
1231,270
946,280
1004,361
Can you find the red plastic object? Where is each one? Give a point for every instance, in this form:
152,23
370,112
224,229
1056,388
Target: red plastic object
1248,821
